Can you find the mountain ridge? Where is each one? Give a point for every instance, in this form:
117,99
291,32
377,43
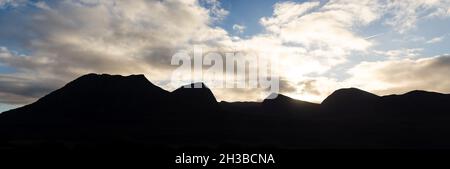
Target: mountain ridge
140,78
112,107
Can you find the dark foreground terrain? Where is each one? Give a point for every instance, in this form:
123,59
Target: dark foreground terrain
115,118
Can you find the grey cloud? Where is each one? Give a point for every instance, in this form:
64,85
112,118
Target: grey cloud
286,86
16,90
309,86
399,76
61,40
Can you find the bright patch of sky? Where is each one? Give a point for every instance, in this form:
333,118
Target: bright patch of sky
5,107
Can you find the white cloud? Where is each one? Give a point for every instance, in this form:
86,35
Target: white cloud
442,11
328,26
355,12
285,12
316,38
400,53
217,12
406,13
239,28
435,40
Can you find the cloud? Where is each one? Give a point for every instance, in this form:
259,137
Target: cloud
214,7
16,90
50,44
406,13
11,3
435,40
401,53
329,26
285,12
65,39
360,12
313,37
239,28
315,89
399,76
442,11
287,87
374,36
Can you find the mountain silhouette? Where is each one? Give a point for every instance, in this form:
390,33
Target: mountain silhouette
94,98
98,109
351,95
285,106
195,96
285,101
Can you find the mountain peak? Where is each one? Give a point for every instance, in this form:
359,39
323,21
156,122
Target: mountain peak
114,85
96,77
198,91
281,102
98,97
421,93
277,97
349,95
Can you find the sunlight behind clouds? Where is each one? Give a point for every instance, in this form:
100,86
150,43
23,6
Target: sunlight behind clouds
52,42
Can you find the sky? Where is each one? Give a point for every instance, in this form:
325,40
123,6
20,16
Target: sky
381,46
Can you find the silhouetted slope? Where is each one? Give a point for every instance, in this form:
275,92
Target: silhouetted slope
196,95
284,105
195,112
282,100
352,103
99,109
95,98
349,97
424,98
418,104
195,102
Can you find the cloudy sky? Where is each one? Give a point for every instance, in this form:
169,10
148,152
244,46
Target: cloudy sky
382,46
